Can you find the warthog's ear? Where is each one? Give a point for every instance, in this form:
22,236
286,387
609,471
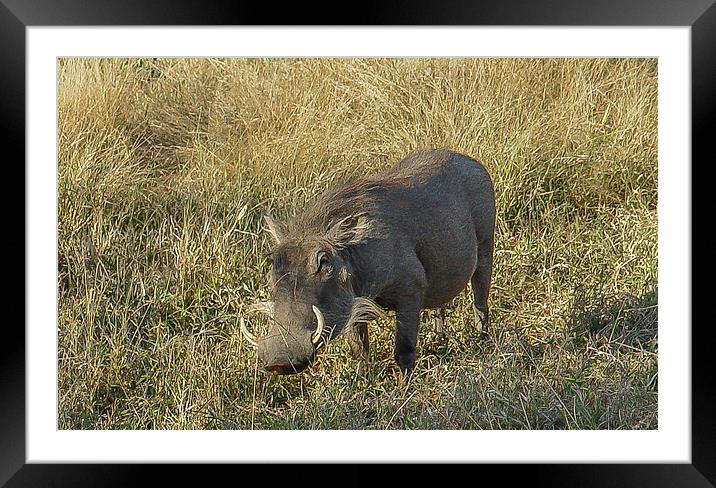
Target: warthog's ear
350,231
276,229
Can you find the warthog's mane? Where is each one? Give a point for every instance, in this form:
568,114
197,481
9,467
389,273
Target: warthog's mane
348,213
345,215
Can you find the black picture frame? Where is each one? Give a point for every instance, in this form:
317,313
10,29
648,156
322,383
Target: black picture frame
17,15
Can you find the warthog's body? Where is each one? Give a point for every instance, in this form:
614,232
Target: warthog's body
410,238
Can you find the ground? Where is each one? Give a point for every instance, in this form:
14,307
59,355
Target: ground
167,166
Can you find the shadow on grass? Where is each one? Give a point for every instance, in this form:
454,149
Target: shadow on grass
624,319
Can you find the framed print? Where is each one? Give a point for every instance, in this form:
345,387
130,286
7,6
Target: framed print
488,208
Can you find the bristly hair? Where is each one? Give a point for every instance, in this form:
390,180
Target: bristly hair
345,215
348,213
363,310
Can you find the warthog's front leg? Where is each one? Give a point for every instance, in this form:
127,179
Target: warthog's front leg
407,319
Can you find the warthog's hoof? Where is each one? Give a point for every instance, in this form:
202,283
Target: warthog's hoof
481,321
439,321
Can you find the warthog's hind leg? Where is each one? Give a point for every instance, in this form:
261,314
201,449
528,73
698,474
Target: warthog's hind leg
480,282
440,324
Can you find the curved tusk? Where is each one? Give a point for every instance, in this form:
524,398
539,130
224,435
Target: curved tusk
248,335
319,328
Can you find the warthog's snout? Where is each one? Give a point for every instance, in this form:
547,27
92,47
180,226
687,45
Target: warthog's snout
286,352
285,366
288,348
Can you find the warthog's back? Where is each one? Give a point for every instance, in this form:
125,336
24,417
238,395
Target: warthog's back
442,204
439,190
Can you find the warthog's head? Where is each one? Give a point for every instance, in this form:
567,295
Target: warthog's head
313,297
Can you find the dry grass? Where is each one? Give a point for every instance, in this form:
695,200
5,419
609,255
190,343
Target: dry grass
166,167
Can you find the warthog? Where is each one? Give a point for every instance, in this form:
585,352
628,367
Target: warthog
407,239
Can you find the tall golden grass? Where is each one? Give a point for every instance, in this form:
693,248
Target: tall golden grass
166,167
